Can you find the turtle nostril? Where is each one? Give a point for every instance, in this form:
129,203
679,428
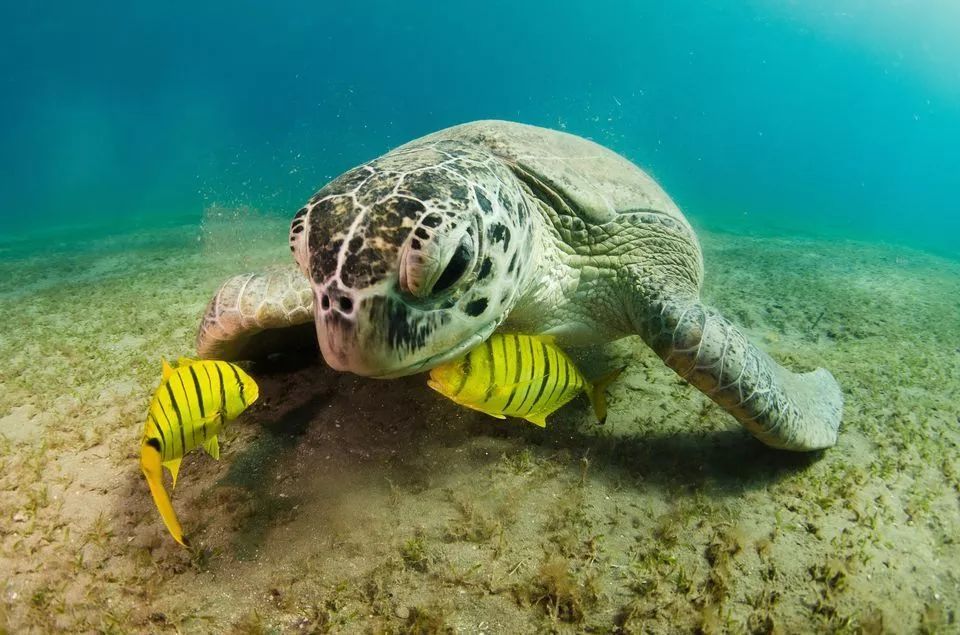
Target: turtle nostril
325,302
346,305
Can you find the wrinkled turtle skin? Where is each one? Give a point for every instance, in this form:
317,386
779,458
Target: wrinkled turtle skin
415,257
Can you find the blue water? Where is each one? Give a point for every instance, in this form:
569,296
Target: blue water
814,117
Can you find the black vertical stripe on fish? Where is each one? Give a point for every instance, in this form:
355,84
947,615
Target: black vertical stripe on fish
551,384
166,415
203,408
534,374
186,395
555,378
529,380
206,373
548,386
176,409
506,360
163,438
491,383
243,398
467,369
546,378
566,378
233,390
223,395
196,384
518,356
516,378
532,361
493,368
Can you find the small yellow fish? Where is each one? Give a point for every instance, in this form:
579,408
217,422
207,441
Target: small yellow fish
188,410
524,376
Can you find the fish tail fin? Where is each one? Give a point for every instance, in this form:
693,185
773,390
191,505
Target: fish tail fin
151,467
597,393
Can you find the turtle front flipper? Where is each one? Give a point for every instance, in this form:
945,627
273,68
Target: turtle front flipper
783,409
255,314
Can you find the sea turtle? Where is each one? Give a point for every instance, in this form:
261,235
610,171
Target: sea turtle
415,257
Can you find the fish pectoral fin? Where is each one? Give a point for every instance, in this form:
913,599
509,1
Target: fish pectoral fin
174,466
212,446
166,369
597,393
213,418
185,361
537,418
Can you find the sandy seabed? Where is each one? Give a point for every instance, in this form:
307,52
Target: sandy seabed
343,504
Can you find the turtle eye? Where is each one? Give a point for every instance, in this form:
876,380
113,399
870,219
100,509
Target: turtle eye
459,262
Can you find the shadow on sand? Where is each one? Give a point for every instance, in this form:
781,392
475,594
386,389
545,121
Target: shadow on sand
304,402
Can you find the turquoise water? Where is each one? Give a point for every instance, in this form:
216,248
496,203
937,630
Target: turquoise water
823,118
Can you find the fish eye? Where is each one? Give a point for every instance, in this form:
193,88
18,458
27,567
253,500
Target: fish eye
457,266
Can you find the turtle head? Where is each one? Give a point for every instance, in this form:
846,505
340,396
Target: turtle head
414,259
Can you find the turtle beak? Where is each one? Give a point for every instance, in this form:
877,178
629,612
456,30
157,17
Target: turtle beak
338,343
348,343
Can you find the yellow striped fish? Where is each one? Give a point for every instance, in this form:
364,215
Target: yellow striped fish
188,411
524,376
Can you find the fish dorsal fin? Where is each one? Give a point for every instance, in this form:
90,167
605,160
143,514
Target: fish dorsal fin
212,446
166,369
185,361
547,338
537,418
174,466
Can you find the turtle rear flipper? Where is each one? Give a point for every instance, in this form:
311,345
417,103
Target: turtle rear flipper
791,411
255,314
